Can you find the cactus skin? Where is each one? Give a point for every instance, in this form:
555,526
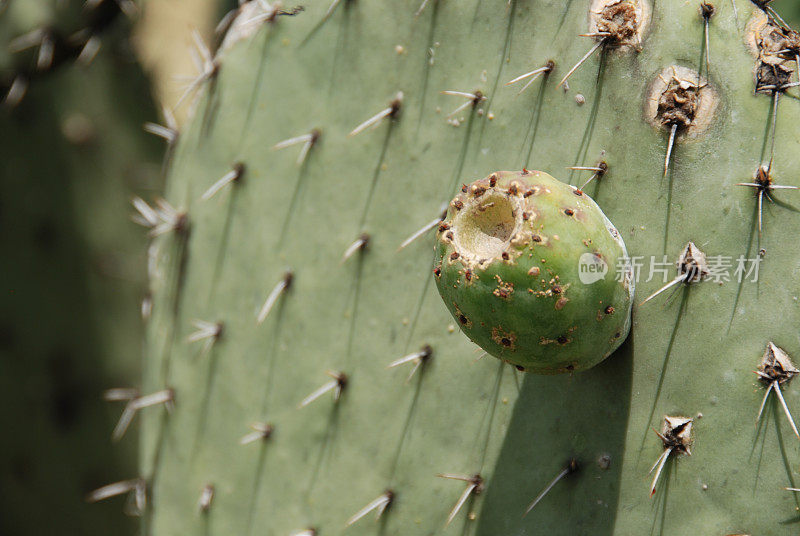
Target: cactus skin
694,354
507,267
73,153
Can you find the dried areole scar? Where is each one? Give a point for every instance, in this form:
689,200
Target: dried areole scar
776,369
775,48
529,266
615,24
676,437
692,268
682,103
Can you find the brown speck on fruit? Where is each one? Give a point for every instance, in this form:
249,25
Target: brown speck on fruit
560,303
504,289
493,180
561,340
520,368
463,188
437,271
457,204
449,236
609,310
534,271
463,319
513,189
504,339
504,256
454,255
443,227
568,211
528,193
477,190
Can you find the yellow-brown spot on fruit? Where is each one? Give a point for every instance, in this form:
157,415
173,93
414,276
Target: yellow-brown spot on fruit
477,190
463,320
504,339
561,340
504,289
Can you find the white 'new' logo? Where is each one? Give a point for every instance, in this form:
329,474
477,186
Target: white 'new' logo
591,268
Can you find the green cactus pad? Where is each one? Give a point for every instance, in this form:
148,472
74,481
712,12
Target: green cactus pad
467,448
526,266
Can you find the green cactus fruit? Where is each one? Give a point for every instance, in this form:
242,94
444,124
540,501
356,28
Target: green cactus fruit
526,265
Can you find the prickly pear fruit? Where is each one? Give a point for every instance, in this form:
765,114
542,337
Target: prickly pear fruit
527,265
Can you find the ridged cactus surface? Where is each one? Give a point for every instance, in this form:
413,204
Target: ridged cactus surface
681,389
73,153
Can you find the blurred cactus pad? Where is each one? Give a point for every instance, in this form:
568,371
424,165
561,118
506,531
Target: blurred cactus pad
73,154
287,319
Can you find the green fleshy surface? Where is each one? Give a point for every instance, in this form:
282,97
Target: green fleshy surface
534,309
